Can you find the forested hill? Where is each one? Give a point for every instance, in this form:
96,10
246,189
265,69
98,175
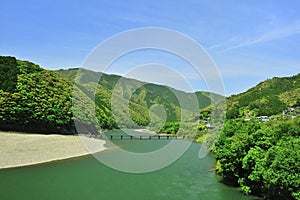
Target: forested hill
37,100
33,99
268,98
258,147
142,95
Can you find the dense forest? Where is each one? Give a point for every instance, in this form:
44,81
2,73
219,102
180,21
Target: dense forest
262,158
33,99
141,97
258,146
37,100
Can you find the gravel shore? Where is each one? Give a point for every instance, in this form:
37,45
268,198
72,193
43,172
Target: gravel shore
21,149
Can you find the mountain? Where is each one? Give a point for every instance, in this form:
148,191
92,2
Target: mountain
142,97
268,98
37,100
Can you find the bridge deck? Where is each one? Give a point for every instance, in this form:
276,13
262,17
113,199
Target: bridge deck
140,137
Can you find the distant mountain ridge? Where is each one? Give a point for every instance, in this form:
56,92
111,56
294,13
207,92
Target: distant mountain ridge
142,95
268,98
37,100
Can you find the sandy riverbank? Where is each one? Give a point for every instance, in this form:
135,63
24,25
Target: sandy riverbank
144,131
20,149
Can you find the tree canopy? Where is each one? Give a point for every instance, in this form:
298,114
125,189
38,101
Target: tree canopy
263,158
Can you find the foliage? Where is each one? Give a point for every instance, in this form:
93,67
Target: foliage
8,73
263,158
139,97
170,128
37,100
268,98
233,113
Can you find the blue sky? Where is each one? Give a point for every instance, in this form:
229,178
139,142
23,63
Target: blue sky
249,41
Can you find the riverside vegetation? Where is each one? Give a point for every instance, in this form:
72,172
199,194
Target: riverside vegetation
262,157
258,147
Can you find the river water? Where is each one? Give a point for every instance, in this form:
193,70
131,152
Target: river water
189,178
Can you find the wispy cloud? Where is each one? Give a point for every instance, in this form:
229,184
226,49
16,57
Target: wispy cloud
290,30
228,42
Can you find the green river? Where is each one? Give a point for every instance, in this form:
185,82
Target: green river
84,178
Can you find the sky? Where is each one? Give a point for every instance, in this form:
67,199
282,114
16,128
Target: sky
249,41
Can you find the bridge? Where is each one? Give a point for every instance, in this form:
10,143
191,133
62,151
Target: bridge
139,137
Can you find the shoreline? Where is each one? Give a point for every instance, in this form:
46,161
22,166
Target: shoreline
26,149
43,162
144,130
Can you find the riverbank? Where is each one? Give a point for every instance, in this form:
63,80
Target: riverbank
22,149
144,130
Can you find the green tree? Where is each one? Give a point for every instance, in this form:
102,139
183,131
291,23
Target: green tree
8,73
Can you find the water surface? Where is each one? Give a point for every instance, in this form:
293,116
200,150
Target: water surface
189,178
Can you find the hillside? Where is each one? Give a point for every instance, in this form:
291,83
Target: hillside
268,98
142,97
258,146
37,100
33,99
